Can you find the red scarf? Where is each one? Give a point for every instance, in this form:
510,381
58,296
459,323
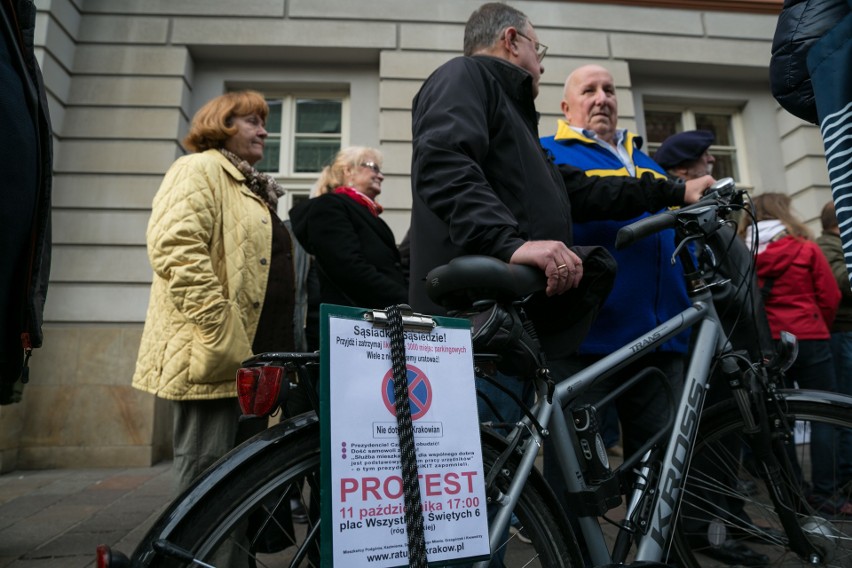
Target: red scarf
361,199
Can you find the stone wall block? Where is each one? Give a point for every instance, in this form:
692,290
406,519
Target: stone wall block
395,126
108,191
736,26
385,10
124,123
224,31
592,16
411,65
54,38
741,53
128,91
111,263
132,60
117,157
241,9
105,303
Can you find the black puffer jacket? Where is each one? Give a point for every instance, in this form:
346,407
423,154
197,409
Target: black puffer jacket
802,22
26,158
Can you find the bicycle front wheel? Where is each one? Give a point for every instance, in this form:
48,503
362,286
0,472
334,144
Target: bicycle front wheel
726,505
249,520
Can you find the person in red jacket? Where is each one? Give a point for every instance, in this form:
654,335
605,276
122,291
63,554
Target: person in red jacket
801,297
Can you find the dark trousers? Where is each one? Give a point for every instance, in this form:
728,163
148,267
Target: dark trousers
204,431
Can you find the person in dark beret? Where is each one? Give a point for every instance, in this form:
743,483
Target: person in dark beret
686,155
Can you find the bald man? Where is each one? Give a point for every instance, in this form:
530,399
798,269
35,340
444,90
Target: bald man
648,289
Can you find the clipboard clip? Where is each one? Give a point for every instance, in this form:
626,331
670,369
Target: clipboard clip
410,320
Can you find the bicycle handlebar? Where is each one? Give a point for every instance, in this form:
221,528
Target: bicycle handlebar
719,194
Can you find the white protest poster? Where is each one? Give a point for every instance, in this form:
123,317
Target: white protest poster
363,521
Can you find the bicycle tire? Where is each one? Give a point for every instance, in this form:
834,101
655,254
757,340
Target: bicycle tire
215,528
720,441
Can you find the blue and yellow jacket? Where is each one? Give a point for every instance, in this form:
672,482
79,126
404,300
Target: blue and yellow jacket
648,290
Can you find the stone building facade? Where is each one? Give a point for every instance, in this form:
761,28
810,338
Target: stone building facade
125,76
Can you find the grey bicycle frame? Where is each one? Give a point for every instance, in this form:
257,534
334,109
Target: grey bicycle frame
709,340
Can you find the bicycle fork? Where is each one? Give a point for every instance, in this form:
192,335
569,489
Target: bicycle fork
765,447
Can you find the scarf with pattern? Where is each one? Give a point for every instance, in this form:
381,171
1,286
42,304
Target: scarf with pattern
260,184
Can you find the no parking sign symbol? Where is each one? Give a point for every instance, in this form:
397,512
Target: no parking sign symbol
419,392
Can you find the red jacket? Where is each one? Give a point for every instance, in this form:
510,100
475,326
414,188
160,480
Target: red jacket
804,296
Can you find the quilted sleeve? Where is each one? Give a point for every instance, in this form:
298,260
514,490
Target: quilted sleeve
183,216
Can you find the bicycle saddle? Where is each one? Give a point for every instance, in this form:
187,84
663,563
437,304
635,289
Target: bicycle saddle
469,279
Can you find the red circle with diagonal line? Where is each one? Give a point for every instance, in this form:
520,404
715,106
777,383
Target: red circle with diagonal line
419,392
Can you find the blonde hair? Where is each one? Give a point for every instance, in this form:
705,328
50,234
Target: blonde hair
768,206
211,125
333,175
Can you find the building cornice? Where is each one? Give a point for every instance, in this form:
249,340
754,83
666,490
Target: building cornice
751,6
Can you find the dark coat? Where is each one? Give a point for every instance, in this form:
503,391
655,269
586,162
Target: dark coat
800,25
26,157
355,252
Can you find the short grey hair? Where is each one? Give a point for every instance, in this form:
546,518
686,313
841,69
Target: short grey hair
485,24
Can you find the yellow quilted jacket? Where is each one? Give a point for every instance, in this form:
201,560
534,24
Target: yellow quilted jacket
209,243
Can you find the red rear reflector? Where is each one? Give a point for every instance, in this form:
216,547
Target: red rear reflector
103,556
258,389
107,558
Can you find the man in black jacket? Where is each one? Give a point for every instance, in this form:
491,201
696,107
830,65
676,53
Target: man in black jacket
25,168
483,185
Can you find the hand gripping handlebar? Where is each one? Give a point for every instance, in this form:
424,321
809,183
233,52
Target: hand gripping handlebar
717,194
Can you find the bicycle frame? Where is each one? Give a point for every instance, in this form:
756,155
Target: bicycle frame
709,341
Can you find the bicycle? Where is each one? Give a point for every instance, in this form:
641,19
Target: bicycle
241,502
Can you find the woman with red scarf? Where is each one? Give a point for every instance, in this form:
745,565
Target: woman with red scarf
354,249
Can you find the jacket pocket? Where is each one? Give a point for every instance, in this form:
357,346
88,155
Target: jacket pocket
217,350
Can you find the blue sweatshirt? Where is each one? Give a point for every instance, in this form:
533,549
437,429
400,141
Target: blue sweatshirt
648,289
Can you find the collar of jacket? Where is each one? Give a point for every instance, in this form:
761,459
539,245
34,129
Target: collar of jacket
515,81
565,133
226,164
232,171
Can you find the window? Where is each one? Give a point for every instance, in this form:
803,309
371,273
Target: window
661,121
305,132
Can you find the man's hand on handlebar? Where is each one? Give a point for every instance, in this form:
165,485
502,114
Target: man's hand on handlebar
695,188
563,268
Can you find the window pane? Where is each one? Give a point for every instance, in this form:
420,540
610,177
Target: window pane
271,156
318,116
718,124
726,164
659,125
273,121
312,154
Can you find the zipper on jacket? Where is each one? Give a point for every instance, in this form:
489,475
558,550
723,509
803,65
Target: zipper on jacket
26,343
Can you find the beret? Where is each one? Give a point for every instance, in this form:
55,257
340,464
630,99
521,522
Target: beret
683,147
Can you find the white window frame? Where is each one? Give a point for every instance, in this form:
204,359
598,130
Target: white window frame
687,113
300,184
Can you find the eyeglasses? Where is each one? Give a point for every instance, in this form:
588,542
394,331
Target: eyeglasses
540,48
373,166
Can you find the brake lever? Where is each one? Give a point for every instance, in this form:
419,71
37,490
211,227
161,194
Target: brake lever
682,244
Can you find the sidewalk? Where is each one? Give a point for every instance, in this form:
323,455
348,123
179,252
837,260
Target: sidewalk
56,518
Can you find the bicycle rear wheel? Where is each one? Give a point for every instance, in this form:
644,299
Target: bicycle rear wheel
247,521
727,501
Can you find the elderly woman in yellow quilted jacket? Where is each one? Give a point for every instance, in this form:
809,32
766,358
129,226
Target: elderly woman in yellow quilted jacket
223,280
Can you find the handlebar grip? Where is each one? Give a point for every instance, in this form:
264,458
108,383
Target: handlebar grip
627,235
